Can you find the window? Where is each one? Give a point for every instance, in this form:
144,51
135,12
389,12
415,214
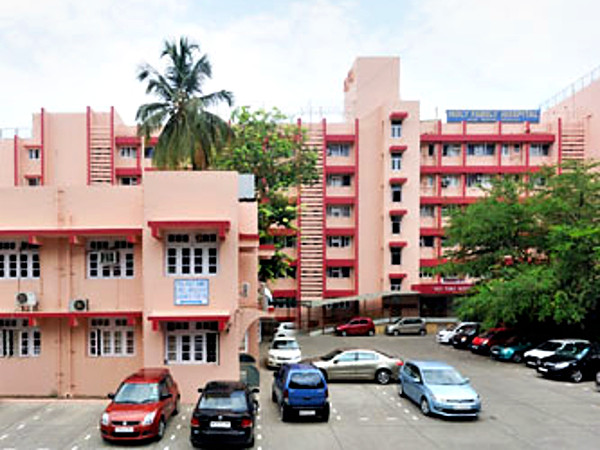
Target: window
128,152
426,241
110,337
450,181
129,181
110,259
17,338
425,274
192,342
396,256
338,150
34,181
19,260
191,254
429,180
34,153
427,211
338,241
480,149
479,179
396,284
338,211
396,161
505,150
338,180
451,150
149,152
396,128
338,272
539,150
431,150
396,193
396,224
284,302
517,148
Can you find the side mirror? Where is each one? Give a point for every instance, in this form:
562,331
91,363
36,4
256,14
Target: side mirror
255,405
467,380
335,361
111,395
166,396
200,390
255,391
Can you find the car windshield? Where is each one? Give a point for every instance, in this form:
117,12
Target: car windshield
137,393
443,376
576,350
306,380
226,401
285,345
329,356
550,346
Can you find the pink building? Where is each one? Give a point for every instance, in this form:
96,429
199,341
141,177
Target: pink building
101,273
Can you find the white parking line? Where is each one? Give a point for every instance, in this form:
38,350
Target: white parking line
182,417
87,437
20,427
391,418
179,427
74,447
166,448
259,448
172,437
406,411
415,418
259,437
4,436
339,417
258,417
363,419
399,405
334,411
258,427
36,417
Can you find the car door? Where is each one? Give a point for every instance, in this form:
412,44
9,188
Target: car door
353,327
409,381
278,381
366,365
166,400
343,366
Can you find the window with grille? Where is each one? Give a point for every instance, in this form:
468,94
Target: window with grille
128,152
19,260
539,150
396,128
189,254
396,161
110,258
427,211
192,343
338,241
34,153
18,339
396,224
338,211
481,149
338,272
339,180
396,193
338,150
129,181
395,256
149,152
451,150
283,302
110,337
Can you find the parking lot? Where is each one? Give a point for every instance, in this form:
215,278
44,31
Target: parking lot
520,410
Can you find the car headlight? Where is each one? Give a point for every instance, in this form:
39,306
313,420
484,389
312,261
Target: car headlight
105,420
507,351
149,418
562,365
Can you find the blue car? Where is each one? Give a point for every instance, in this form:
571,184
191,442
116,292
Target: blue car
438,389
300,390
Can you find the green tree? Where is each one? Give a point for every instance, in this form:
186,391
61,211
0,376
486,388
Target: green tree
271,148
190,135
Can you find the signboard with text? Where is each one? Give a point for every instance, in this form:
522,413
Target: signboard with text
493,115
191,292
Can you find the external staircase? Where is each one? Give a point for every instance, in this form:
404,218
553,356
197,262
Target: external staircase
100,151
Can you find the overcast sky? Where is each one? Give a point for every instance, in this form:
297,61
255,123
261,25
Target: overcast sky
66,54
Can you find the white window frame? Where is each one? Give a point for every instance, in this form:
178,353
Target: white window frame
128,152
424,275
451,150
479,179
396,162
338,241
339,211
17,339
396,224
424,240
19,260
450,181
505,150
536,150
396,189
338,150
339,180
396,129
34,154
129,181
97,249
427,208
481,149
111,338
189,331
339,272
198,254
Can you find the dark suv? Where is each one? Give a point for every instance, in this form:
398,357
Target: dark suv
300,389
224,415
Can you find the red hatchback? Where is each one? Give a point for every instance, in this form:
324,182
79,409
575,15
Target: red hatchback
494,336
358,326
141,406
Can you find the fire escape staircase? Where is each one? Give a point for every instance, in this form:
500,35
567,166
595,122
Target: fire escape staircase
100,149
573,141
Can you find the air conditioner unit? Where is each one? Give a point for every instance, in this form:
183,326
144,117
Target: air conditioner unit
109,258
26,300
79,305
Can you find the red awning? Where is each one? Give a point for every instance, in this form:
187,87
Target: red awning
158,226
32,316
221,317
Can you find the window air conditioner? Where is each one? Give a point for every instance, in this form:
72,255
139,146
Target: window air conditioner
79,305
26,300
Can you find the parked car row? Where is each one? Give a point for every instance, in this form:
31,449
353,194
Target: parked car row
364,326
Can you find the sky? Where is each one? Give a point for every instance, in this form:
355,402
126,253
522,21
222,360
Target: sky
64,55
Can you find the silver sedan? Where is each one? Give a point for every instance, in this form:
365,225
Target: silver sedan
358,364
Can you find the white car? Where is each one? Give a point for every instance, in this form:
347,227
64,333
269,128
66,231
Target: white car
445,336
548,348
286,329
284,350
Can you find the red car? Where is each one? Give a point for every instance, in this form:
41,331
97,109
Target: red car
358,326
141,406
494,336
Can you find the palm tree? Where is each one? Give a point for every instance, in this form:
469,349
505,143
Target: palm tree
190,135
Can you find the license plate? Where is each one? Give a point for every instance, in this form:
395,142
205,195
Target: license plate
123,429
307,412
542,369
220,424
462,406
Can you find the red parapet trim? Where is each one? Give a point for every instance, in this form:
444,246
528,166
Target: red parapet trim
333,293
133,141
248,237
398,148
16,160
284,293
333,200
442,288
222,319
266,247
503,138
340,231
432,262
449,200
398,115
32,316
398,244
112,145
398,212
128,172
340,169
66,232
495,169
88,124
340,138
559,145
31,176
283,231
356,207
157,226
396,276
428,231
42,146
398,180
330,262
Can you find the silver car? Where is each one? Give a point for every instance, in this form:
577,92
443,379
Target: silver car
407,325
358,364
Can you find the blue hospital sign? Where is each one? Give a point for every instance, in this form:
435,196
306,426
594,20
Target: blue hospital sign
191,292
493,115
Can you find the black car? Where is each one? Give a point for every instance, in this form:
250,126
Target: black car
598,380
224,415
464,338
574,362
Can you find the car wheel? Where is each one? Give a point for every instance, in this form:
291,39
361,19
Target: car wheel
284,413
425,407
371,332
576,376
325,416
517,358
161,429
344,333
401,390
383,376
251,443
273,396
423,332
396,333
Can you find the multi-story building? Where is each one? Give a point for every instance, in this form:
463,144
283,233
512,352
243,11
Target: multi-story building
107,266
